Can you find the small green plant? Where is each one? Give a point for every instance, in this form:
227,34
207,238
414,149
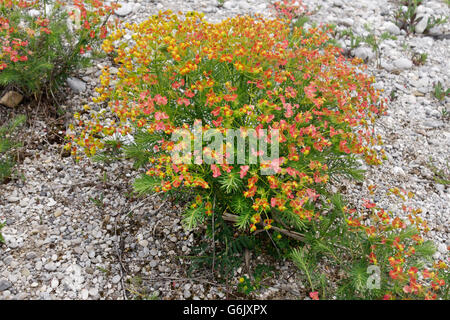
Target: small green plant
406,17
393,95
440,92
419,59
307,263
2,239
372,40
8,146
441,176
261,273
355,40
98,201
375,41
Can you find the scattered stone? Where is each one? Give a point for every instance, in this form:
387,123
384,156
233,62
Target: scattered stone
84,294
422,24
58,212
391,28
398,171
403,64
364,53
442,248
76,85
116,279
11,99
124,10
55,283
5,285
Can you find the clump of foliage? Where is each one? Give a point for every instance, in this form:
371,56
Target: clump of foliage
406,17
419,59
251,73
8,145
290,9
243,73
379,255
2,239
371,39
248,285
441,175
440,92
43,41
294,12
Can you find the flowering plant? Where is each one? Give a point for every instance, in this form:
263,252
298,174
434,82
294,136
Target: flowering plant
290,9
399,249
282,86
42,41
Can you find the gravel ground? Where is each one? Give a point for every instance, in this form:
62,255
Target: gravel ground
73,231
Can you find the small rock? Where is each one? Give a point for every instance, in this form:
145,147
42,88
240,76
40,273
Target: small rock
76,85
391,28
153,263
5,285
58,212
144,243
403,63
11,99
84,294
422,24
50,266
433,124
116,279
364,53
54,283
348,22
51,202
124,10
30,255
442,248
229,5
398,171
93,292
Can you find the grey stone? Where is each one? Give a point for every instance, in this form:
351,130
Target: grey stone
391,28
422,24
11,99
51,266
403,64
229,5
442,248
76,84
116,279
124,10
364,53
5,285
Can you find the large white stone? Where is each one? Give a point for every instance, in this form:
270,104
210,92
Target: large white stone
422,25
124,10
403,64
76,84
391,28
364,53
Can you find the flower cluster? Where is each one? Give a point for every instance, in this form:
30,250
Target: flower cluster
41,44
399,248
289,9
246,73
